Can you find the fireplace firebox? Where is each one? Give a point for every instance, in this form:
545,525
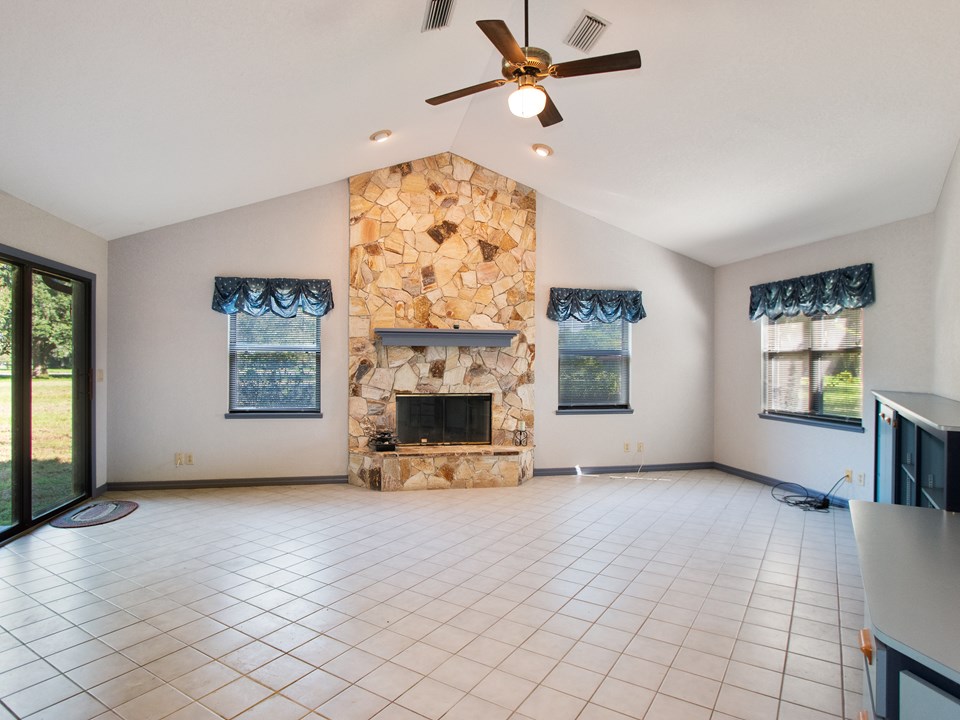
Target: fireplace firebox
447,419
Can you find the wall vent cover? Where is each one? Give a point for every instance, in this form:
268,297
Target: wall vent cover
437,15
586,32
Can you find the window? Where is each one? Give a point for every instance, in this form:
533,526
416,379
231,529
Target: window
594,365
812,366
274,363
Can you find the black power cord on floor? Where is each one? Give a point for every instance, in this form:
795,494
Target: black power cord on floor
798,496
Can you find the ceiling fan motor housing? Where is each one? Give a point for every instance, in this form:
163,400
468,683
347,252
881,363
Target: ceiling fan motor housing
537,63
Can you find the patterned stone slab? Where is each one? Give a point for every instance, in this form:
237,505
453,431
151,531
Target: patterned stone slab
441,468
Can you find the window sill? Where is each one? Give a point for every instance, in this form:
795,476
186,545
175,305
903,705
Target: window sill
261,415
815,422
595,411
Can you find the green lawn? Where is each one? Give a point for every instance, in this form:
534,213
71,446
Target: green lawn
52,444
843,395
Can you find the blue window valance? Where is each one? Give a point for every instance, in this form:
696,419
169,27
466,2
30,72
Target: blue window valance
589,305
280,296
825,293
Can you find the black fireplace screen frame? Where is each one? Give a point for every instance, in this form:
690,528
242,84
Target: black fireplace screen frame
445,419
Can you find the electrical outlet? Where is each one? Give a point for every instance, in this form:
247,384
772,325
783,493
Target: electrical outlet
639,446
626,447
860,478
848,475
178,459
188,458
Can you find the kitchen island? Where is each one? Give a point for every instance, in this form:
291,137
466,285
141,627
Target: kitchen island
910,562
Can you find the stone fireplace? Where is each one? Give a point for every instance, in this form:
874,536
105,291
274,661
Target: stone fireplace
441,244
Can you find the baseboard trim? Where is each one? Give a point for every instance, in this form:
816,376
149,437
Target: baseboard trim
606,469
747,474
666,467
537,472
766,480
226,483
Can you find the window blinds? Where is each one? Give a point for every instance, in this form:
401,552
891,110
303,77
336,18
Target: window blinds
812,366
274,363
594,364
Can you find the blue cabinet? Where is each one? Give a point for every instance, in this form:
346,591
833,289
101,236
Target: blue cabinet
885,444
917,450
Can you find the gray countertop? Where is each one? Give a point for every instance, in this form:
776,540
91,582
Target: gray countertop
941,412
910,561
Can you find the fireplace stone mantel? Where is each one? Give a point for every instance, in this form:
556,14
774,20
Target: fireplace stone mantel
426,337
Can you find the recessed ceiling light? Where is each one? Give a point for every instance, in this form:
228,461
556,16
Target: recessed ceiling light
380,135
543,150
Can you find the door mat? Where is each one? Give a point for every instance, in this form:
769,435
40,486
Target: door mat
95,514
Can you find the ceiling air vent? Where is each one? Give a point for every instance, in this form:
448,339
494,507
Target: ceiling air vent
586,32
437,15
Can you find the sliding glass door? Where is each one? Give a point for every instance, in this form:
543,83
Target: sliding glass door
45,391
58,389
9,491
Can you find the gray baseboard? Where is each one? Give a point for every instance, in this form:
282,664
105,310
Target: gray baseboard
766,480
666,467
607,469
747,474
227,483
537,472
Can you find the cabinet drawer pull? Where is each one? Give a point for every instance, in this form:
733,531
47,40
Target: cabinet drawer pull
866,645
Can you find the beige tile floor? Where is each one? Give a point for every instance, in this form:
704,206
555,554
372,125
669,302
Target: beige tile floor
672,596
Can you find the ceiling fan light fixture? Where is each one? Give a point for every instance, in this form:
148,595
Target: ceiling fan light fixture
529,64
542,150
380,136
528,99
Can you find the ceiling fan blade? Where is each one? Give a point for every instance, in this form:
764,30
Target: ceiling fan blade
499,34
463,92
629,60
549,115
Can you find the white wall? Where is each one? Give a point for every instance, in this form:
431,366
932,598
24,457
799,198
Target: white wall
169,359
897,350
32,230
169,349
946,372
671,367
695,373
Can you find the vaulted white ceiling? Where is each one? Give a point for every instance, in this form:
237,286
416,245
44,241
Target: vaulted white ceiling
754,125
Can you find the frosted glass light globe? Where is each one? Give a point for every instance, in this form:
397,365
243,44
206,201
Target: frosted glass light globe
527,101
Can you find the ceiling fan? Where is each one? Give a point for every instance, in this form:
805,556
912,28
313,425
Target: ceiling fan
527,66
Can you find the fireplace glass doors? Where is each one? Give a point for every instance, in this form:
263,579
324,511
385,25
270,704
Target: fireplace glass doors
444,419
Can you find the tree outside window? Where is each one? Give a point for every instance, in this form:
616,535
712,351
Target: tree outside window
812,366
